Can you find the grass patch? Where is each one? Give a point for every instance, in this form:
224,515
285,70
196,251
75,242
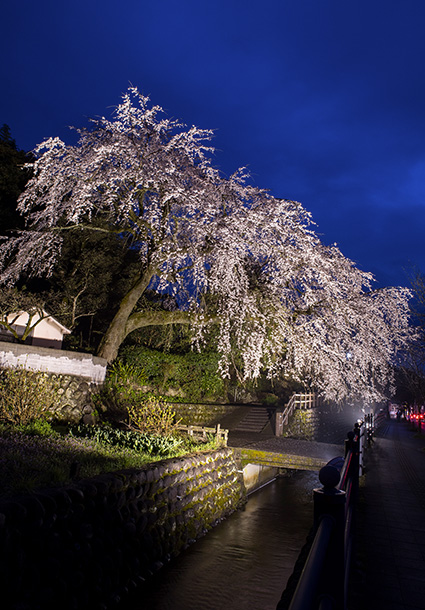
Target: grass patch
35,457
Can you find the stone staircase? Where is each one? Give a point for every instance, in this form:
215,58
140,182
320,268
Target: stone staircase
255,419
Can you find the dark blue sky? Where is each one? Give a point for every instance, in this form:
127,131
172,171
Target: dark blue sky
323,100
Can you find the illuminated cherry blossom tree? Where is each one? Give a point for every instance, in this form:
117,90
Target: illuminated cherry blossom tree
232,254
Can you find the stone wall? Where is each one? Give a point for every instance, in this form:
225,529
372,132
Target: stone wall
77,374
303,424
88,545
201,414
75,400
324,424
257,475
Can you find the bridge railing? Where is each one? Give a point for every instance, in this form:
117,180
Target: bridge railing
324,578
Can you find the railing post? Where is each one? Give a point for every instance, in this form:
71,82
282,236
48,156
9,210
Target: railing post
278,422
331,501
368,419
355,462
359,440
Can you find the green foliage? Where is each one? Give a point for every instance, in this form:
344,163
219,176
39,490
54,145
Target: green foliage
126,378
152,444
13,177
94,271
30,461
271,399
193,376
152,416
38,427
26,396
124,385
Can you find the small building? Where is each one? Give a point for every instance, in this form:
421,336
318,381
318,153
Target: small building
46,331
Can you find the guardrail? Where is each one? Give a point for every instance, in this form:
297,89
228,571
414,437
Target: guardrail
324,578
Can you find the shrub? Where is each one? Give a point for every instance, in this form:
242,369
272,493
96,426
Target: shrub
37,427
123,385
152,444
152,415
126,378
26,396
193,374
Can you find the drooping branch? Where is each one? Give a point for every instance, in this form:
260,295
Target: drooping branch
285,302
15,305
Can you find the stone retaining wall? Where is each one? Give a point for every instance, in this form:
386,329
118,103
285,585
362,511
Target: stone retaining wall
304,424
257,475
87,545
78,375
74,400
201,414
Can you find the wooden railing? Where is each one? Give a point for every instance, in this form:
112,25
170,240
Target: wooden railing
297,401
202,432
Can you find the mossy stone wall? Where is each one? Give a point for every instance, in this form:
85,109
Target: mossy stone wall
89,544
201,414
303,424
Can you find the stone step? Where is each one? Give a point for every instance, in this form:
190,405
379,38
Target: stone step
255,420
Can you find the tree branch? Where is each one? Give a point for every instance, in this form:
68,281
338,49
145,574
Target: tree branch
141,319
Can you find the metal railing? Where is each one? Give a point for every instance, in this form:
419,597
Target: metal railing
324,578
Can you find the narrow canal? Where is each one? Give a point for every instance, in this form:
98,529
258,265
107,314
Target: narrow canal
244,563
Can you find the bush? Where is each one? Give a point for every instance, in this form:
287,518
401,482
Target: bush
38,427
123,385
126,378
193,375
26,396
152,444
124,394
151,415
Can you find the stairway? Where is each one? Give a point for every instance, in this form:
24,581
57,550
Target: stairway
255,419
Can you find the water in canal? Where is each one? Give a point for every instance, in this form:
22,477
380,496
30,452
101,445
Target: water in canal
243,563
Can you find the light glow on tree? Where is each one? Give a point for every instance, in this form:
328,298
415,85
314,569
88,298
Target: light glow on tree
233,254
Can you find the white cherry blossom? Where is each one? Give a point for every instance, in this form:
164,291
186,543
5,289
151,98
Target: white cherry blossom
285,303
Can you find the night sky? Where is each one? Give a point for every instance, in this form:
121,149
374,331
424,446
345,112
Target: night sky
322,100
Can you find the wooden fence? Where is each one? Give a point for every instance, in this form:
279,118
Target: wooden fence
203,432
297,401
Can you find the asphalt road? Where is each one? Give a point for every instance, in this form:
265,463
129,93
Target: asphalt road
389,564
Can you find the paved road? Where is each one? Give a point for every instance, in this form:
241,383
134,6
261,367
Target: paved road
389,568
312,455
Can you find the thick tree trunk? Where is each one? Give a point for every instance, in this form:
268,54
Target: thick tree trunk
116,332
125,321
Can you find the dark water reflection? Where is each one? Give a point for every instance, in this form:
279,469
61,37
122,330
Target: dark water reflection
243,563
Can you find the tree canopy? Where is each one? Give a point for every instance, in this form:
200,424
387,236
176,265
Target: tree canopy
230,253
13,178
